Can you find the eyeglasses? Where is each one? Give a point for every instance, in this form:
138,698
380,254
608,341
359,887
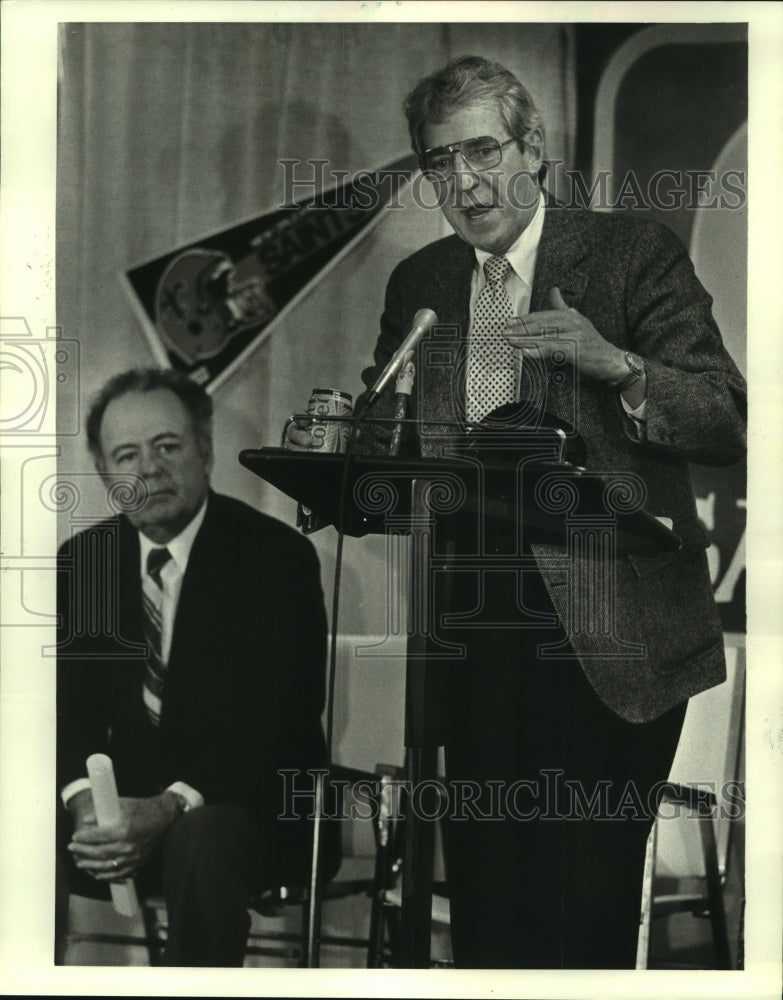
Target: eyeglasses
482,153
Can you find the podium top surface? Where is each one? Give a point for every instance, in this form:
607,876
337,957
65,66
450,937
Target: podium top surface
547,497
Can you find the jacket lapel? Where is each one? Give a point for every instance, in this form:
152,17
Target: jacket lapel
562,248
198,598
128,576
442,387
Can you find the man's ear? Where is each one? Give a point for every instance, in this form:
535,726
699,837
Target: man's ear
102,471
207,452
534,149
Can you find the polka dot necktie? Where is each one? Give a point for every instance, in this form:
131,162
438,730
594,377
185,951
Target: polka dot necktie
152,602
492,361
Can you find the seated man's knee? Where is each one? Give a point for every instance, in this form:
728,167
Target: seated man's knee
219,836
210,871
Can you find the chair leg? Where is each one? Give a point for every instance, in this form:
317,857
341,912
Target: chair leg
375,937
394,931
152,934
304,935
379,882
648,886
720,934
387,829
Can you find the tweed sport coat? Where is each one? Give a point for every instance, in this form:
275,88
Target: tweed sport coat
245,683
634,281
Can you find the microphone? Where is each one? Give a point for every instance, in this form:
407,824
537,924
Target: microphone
422,321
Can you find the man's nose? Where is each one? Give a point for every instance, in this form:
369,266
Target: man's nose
465,177
460,153
150,464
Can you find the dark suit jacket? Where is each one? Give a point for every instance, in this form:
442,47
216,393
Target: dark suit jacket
245,685
635,282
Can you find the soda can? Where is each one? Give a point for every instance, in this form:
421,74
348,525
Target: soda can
330,435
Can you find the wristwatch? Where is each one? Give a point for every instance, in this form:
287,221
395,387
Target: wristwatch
636,366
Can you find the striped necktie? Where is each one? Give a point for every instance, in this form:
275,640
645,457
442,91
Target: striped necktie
152,601
492,361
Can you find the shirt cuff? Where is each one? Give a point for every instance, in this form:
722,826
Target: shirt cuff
638,415
73,788
193,798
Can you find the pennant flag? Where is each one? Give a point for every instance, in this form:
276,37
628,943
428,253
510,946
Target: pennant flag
204,307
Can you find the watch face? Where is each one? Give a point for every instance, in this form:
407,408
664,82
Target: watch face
635,365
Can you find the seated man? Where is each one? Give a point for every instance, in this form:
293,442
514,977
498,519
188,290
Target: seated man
184,656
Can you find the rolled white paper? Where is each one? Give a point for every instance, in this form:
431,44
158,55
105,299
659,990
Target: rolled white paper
108,813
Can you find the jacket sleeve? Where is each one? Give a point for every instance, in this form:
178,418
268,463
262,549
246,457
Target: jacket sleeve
82,727
254,703
696,396
299,634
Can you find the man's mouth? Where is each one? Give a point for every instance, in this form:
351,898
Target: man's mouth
477,211
160,494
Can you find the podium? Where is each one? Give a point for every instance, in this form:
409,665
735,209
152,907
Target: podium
520,483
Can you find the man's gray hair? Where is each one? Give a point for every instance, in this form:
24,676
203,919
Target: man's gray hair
471,80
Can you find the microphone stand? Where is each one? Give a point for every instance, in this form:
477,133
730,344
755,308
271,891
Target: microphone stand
424,698
404,387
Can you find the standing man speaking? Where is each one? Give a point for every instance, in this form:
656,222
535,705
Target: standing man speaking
567,715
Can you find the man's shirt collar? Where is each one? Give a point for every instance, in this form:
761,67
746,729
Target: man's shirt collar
179,547
522,253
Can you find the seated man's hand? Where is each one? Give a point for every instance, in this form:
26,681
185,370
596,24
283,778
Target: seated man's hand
117,852
82,810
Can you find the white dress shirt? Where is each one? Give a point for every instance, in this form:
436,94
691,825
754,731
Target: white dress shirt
171,576
519,285
522,258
